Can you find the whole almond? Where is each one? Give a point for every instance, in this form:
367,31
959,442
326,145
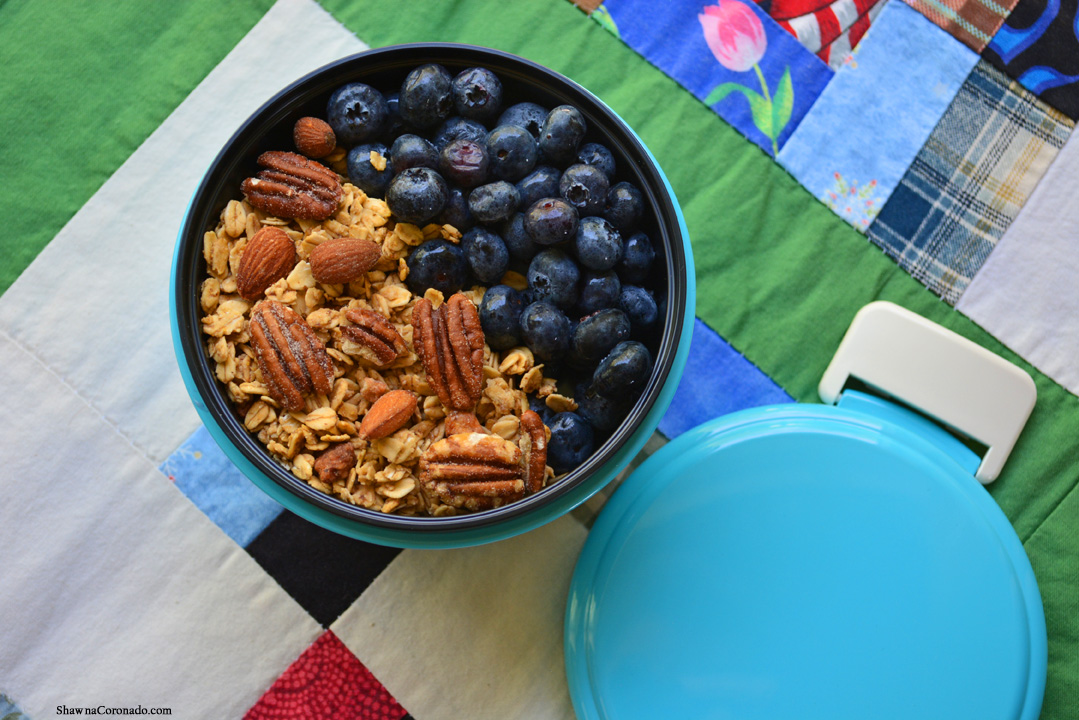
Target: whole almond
343,260
313,137
388,415
269,256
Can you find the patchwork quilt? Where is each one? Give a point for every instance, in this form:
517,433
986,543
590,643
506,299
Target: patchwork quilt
825,155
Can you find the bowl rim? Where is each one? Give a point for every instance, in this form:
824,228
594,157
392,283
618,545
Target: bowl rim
231,435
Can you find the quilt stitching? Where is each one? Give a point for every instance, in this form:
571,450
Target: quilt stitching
63,381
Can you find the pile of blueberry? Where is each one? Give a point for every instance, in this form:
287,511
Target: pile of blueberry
531,195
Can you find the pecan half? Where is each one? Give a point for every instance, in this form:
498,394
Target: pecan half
534,446
293,186
380,343
292,359
449,341
334,464
473,471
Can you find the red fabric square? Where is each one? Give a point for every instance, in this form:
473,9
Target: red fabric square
326,682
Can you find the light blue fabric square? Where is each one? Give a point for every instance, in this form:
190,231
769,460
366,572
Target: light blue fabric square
209,479
10,711
867,126
717,381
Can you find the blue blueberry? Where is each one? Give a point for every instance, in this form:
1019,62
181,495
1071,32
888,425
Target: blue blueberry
356,112
598,156
417,195
464,163
493,202
585,187
539,406
459,128
409,151
546,331
528,115
597,244
517,239
551,221
538,184
500,316
553,276
363,174
437,264
395,126
512,152
640,307
604,414
598,291
597,334
456,212
624,207
572,442
477,94
486,255
624,371
637,259
561,134
426,96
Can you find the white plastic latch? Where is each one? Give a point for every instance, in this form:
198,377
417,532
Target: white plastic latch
945,376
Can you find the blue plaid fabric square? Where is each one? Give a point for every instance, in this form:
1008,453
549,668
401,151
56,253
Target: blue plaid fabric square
969,181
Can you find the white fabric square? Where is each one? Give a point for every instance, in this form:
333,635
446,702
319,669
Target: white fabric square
115,589
472,633
1027,292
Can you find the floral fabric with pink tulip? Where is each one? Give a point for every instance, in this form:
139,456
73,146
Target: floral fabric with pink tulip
734,34
731,55
736,37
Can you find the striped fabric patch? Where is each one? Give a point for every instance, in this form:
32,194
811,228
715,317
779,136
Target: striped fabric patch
969,181
833,31
974,22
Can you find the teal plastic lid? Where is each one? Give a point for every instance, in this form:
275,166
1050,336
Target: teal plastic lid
806,561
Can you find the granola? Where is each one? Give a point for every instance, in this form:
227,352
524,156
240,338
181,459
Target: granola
366,327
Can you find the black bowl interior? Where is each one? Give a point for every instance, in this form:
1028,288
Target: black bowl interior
270,128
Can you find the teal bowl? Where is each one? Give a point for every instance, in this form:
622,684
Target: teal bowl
270,128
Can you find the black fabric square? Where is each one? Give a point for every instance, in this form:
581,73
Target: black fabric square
325,572
1039,47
